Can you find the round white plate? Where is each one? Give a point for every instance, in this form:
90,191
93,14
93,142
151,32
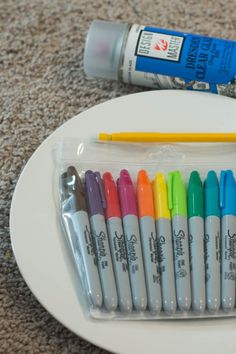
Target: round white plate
38,243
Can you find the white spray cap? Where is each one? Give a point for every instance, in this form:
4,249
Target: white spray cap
103,49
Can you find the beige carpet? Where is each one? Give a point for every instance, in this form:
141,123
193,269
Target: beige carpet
42,85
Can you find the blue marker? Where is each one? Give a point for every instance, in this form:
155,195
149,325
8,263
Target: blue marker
228,238
212,241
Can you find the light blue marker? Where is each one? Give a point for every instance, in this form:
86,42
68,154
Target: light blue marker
228,238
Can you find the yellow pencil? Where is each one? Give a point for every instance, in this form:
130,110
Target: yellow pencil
169,137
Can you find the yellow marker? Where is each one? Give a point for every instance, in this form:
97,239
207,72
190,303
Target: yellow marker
164,239
169,137
160,197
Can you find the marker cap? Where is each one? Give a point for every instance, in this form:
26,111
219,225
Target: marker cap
160,197
212,195
126,194
176,194
95,193
72,190
227,193
112,200
144,195
195,196
103,49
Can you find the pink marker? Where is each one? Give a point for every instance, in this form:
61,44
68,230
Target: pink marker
129,214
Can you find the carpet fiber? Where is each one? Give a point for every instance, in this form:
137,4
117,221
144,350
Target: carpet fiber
42,85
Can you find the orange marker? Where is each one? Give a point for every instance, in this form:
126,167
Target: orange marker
145,196
149,241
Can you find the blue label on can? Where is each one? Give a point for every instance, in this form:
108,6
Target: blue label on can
188,56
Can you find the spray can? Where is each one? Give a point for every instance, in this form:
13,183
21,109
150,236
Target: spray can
160,58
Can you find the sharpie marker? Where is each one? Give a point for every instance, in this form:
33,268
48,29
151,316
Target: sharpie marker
96,203
117,243
74,207
212,241
228,238
133,241
178,207
196,240
164,239
149,241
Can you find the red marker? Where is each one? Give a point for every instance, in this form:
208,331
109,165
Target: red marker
117,243
113,205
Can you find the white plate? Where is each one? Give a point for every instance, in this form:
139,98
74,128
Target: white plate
38,242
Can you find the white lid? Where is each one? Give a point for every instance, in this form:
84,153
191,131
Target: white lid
103,49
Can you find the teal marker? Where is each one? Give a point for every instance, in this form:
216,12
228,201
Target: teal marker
212,241
196,240
178,207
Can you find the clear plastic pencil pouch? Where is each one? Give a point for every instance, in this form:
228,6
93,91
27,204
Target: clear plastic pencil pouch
151,227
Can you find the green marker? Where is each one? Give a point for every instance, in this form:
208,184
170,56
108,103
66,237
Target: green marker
178,207
196,240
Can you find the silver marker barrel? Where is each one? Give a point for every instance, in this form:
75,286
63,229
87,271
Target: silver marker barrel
228,261
135,260
119,257
104,261
197,264
212,262
166,261
150,257
182,267
83,232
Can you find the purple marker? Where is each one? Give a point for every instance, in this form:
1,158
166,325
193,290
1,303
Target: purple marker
132,238
96,203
